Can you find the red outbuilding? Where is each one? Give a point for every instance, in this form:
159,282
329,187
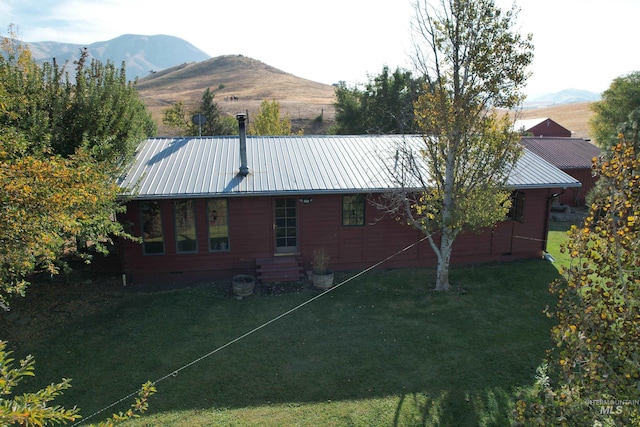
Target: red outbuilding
574,156
541,127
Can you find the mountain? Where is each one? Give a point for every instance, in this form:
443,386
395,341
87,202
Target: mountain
141,54
240,84
232,76
171,69
567,96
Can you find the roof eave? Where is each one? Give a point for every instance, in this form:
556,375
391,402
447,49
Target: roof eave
541,186
297,193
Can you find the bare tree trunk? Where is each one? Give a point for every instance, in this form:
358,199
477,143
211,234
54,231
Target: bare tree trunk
448,235
444,259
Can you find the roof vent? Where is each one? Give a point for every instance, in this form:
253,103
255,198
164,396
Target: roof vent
242,130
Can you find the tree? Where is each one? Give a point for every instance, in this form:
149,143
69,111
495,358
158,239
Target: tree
61,145
348,120
268,121
384,106
387,102
614,114
617,102
29,408
33,409
178,117
96,110
175,117
51,209
23,96
104,116
595,365
208,108
472,62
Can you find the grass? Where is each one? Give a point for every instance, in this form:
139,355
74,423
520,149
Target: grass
380,350
558,236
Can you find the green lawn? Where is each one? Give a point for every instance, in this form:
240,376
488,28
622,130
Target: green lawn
381,350
557,236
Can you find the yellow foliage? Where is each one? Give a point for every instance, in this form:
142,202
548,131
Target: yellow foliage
49,202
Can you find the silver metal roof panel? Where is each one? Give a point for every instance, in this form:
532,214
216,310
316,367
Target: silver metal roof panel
208,166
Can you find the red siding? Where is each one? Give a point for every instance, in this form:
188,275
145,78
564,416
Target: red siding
251,229
576,196
549,128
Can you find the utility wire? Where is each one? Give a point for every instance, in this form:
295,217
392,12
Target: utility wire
275,319
254,330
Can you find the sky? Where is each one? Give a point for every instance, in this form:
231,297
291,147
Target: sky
579,44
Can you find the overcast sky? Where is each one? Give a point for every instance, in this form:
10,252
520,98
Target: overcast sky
580,44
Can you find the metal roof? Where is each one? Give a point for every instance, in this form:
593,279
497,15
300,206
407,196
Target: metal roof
564,153
526,124
208,166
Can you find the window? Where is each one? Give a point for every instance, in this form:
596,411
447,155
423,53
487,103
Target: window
151,219
218,225
516,212
353,209
186,238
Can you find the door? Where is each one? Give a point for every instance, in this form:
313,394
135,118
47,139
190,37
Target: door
286,226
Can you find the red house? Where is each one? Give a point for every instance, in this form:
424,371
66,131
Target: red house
541,127
574,156
212,207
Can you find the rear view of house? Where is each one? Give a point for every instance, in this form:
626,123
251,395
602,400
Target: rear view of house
211,207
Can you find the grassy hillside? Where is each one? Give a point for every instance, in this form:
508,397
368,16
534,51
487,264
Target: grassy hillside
574,117
240,84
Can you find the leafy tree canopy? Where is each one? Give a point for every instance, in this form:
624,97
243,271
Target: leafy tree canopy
612,111
597,356
268,121
52,208
349,116
35,409
97,110
383,106
472,62
62,143
178,117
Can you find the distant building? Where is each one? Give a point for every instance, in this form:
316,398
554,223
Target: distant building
541,127
573,156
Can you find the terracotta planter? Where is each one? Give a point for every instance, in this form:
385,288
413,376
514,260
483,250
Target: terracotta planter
322,281
243,285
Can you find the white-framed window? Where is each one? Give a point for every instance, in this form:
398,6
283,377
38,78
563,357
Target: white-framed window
353,208
218,223
151,220
185,225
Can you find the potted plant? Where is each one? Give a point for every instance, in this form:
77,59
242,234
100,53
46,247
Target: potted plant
243,285
321,277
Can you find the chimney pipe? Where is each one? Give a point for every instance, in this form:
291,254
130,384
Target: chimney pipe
242,130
